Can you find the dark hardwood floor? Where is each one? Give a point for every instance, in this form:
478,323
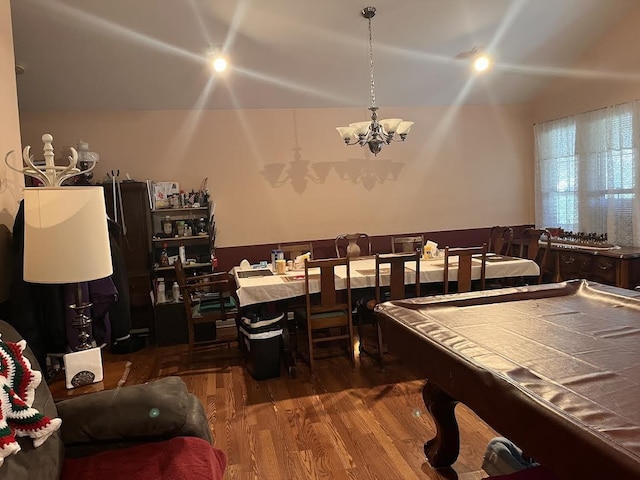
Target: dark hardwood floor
337,424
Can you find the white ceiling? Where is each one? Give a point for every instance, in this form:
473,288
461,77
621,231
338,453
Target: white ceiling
149,54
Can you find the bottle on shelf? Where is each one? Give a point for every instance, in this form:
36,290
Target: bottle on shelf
167,226
175,292
164,256
161,291
183,254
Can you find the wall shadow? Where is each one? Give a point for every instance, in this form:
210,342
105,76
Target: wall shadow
366,171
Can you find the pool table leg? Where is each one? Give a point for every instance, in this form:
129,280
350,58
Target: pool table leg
442,450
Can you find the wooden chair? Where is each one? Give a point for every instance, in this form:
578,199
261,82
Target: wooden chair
465,266
535,245
500,239
407,244
208,299
293,250
395,291
347,245
327,316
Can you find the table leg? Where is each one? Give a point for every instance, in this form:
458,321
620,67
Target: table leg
442,450
289,360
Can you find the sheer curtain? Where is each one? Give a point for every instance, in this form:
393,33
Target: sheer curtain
588,173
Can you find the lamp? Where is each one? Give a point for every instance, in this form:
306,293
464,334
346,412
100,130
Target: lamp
374,133
66,240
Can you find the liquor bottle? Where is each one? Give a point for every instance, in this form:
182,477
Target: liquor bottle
175,292
164,256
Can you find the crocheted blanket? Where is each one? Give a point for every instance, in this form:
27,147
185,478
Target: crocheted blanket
18,382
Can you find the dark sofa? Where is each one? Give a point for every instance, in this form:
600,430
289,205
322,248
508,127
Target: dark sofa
119,433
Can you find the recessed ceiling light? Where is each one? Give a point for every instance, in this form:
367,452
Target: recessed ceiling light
217,60
481,63
219,63
480,60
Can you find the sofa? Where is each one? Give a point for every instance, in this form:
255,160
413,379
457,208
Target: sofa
156,430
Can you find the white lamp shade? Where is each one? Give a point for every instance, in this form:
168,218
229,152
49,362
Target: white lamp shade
361,128
347,133
65,235
390,124
404,128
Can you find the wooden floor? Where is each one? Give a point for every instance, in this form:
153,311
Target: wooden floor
338,424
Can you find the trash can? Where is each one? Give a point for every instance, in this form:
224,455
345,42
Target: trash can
261,336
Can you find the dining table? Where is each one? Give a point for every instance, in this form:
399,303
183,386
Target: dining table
262,285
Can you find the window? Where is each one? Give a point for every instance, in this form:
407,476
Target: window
587,171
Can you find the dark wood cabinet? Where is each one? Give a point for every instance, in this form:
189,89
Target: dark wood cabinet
134,219
619,267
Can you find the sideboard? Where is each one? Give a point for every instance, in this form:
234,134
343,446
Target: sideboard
619,267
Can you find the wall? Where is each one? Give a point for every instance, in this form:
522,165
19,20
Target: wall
11,183
608,74
285,175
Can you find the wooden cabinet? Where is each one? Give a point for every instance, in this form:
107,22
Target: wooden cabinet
135,242
618,267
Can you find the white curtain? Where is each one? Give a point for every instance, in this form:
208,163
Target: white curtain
588,173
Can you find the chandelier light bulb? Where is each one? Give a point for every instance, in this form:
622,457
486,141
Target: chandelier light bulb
481,63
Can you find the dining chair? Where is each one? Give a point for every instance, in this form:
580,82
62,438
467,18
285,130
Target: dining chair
535,245
348,245
327,316
407,244
209,299
465,259
500,239
293,250
393,266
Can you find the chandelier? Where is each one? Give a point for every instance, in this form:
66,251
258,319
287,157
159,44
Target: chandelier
374,133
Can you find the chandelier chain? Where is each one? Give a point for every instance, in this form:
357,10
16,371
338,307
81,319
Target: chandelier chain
373,86
374,133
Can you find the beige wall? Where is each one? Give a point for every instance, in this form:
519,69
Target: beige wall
11,183
284,175
616,63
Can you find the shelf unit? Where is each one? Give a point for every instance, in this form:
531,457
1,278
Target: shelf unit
198,246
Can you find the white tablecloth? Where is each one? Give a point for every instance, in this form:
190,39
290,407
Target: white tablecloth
264,289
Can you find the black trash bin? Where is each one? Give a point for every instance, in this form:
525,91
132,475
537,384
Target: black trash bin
262,337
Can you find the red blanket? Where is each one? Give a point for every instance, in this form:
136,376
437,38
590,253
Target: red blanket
186,458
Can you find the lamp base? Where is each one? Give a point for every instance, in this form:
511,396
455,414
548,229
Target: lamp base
83,367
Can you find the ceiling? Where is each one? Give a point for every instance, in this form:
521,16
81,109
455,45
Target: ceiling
151,54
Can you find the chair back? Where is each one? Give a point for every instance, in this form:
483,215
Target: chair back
293,250
397,267
352,244
213,290
500,239
465,266
407,244
531,245
330,299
